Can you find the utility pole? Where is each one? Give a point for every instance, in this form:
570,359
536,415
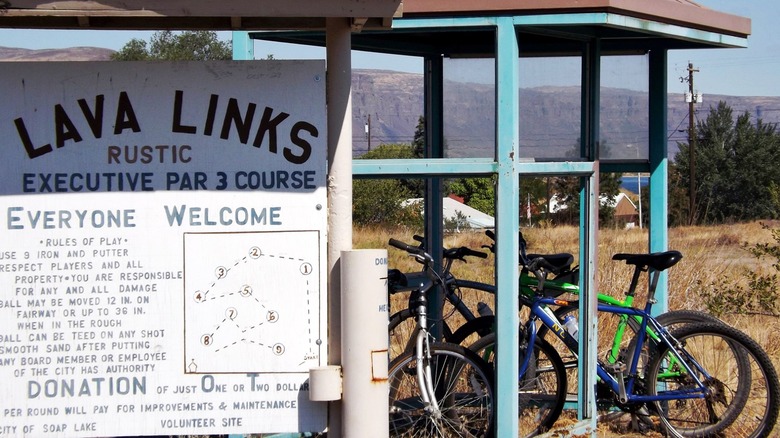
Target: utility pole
368,132
691,98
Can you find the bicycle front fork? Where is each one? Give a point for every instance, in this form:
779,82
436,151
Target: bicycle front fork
424,374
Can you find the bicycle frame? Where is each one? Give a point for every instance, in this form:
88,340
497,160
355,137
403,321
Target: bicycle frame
528,285
624,390
422,281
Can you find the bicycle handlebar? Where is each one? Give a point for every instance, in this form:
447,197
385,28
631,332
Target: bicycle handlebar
403,246
449,253
463,251
414,250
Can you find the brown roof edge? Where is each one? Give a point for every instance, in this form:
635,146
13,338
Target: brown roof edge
678,12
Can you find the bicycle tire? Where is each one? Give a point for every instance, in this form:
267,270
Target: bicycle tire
464,386
674,318
739,406
541,390
671,321
639,420
480,326
402,331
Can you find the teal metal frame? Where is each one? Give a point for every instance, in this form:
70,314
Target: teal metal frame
508,168
243,47
507,224
434,150
659,168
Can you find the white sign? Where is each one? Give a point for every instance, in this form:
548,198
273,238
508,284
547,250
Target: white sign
162,233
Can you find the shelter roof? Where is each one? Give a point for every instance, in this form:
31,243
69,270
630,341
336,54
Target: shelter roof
451,28
192,14
685,13
311,14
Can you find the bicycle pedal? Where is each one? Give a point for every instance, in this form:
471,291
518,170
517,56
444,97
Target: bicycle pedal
615,368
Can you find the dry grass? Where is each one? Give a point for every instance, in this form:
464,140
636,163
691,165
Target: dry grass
711,255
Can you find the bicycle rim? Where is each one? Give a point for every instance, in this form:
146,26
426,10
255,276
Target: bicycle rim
463,387
741,380
402,331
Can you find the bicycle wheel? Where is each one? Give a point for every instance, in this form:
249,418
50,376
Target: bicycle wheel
463,385
671,320
675,318
541,390
742,401
631,416
480,326
402,332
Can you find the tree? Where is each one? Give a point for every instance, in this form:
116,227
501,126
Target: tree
609,185
380,200
678,198
134,50
735,168
479,193
567,190
184,46
418,143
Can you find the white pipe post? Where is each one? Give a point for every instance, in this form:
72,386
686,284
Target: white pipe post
339,105
364,360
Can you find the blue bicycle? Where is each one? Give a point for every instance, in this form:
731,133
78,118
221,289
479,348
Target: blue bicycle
699,380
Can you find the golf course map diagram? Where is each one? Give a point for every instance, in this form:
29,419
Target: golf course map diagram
251,302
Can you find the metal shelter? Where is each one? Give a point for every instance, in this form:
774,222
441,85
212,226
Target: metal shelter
507,31
504,30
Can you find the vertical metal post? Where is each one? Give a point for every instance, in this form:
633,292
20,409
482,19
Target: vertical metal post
243,46
589,224
659,168
507,225
639,194
339,102
434,148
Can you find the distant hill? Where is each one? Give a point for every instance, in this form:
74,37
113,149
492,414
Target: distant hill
10,54
549,126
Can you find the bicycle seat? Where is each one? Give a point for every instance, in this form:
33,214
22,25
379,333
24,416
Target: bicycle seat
657,260
561,261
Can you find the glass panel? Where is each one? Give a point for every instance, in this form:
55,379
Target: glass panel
387,107
469,107
550,108
624,108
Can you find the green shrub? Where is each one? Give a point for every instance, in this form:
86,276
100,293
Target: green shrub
756,292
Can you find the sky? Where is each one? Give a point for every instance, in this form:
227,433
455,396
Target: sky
753,71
